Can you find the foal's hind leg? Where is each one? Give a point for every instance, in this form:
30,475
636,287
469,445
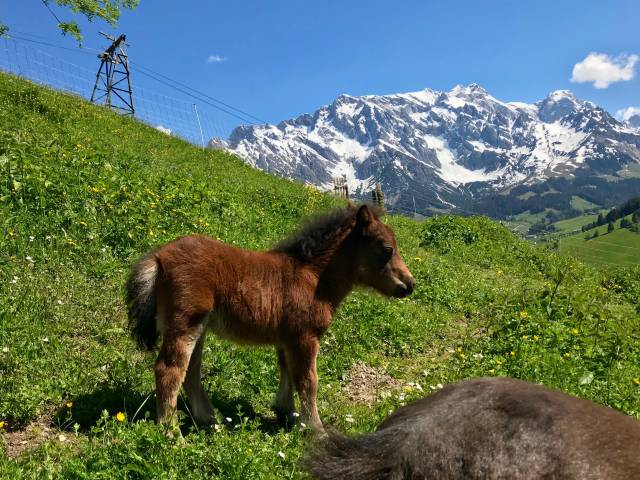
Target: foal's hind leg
201,407
172,363
285,404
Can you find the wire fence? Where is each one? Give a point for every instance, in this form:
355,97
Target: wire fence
198,122
192,115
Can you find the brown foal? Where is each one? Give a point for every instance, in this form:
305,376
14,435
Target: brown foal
284,297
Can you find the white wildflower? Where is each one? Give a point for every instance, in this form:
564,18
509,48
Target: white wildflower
29,259
281,454
349,418
295,414
31,238
45,339
228,419
5,349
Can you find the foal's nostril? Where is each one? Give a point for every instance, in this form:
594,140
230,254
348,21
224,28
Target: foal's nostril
411,284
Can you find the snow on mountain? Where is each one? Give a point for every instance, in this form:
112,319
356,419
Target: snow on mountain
439,147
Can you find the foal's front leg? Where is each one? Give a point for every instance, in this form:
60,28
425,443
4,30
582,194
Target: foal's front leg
284,405
301,359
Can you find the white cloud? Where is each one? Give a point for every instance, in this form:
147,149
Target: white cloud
603,70
162,129
626,113
216,59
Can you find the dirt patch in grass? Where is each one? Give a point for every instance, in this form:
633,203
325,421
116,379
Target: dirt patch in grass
18,441
364,384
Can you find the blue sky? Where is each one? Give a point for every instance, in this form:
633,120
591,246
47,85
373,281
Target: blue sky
279,59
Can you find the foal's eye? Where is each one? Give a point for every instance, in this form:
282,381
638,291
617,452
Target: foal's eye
387,253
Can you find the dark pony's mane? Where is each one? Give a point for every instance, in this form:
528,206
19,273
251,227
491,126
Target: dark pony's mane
319,232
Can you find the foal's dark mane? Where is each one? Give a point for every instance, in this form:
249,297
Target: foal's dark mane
318,233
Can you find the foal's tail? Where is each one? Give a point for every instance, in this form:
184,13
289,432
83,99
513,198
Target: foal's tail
347,458
141,302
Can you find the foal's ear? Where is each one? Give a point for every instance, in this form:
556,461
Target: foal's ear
364,217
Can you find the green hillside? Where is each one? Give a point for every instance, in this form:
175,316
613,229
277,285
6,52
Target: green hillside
618,248
84,191
575,223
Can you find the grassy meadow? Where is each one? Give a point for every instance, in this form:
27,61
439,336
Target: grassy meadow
617,248
84,192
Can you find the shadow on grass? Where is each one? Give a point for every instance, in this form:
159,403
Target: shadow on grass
86,410
238,408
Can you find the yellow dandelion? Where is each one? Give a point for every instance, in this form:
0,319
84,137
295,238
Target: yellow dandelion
636,381
525,337
120,417
567,355
417,259
1,424
499,362
513,354
499,272
69,404
492,371
523,314
575,331
84,224
408,388
536,337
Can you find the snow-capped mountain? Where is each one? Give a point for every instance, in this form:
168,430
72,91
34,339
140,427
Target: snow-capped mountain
443,149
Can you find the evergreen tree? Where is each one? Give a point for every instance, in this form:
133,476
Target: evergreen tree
610,227
625,223
600,220
635,218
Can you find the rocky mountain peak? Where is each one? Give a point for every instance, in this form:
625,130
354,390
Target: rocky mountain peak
441,148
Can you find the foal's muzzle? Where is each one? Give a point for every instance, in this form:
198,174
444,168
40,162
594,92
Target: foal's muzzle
404,289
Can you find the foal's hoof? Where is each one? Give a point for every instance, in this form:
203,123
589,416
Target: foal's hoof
287,420
174,433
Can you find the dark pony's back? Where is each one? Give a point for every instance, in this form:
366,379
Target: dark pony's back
489,428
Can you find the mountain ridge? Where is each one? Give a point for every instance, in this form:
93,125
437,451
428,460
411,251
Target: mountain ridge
443,149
